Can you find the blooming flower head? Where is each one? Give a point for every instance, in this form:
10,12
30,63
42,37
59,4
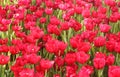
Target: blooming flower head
27,73
4,59
99,41
110,59
82,57
70,58
46,64
99,60
114,71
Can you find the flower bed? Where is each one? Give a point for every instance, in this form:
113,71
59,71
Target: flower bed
60,38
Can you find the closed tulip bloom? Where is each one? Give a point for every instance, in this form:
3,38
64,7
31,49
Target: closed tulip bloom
85,71
70,58
27,73
99,41
104,28
82,57
46,64
4,59
114,71
99,60
110,59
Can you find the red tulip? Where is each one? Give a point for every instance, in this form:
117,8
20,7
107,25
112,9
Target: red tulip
71,71
70,58
99,41
49,11
84,46
104,28
110,45
82,57
46,64
4,59
85,71
99,60
114,71
59,61
42,20
27,73
110,59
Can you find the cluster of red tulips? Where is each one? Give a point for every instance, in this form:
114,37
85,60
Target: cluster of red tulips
60,38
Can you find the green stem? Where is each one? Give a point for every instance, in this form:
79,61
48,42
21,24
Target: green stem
45,73
69,36
2,71
100,73
117,59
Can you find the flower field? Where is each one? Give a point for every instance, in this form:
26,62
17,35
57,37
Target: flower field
59,38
